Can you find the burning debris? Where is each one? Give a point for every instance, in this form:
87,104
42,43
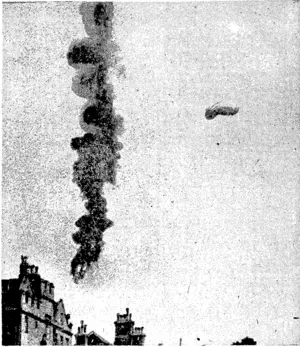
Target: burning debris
98,150
220,109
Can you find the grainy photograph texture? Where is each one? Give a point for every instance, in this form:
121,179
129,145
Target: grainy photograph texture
150,173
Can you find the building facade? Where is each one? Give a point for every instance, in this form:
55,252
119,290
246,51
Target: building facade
89,339
126,333
30,315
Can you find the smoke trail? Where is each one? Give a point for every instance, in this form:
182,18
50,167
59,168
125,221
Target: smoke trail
98,150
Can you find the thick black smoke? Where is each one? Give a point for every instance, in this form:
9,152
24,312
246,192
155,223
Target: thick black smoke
246,341
220,109
98,150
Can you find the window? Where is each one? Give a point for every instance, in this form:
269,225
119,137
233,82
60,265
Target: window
36,324
48,320
26,297
62,340
67,341
44,341
55,337
26,324
38,303
32,301
48,330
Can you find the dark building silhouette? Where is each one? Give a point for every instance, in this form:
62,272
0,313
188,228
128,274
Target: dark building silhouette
30,315
245,341
89,339
126,334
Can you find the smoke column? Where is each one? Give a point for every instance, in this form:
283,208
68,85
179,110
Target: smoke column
98,150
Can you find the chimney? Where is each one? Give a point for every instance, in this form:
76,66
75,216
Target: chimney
24,259
81,337
23,266
127,311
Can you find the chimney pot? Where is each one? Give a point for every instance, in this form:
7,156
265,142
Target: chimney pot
78,329
84,328
81,322
24,258
127,311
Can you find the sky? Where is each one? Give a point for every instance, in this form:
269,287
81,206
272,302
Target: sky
205,241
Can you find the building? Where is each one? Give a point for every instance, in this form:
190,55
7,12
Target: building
30,315
89,339
126,333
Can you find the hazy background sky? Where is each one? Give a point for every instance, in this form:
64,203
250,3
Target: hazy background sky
206,213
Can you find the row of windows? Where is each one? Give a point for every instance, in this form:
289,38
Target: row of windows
58,340
36,324
32,300
45,288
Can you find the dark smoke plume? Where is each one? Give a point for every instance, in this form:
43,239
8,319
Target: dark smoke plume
220,109
98,150
246,341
